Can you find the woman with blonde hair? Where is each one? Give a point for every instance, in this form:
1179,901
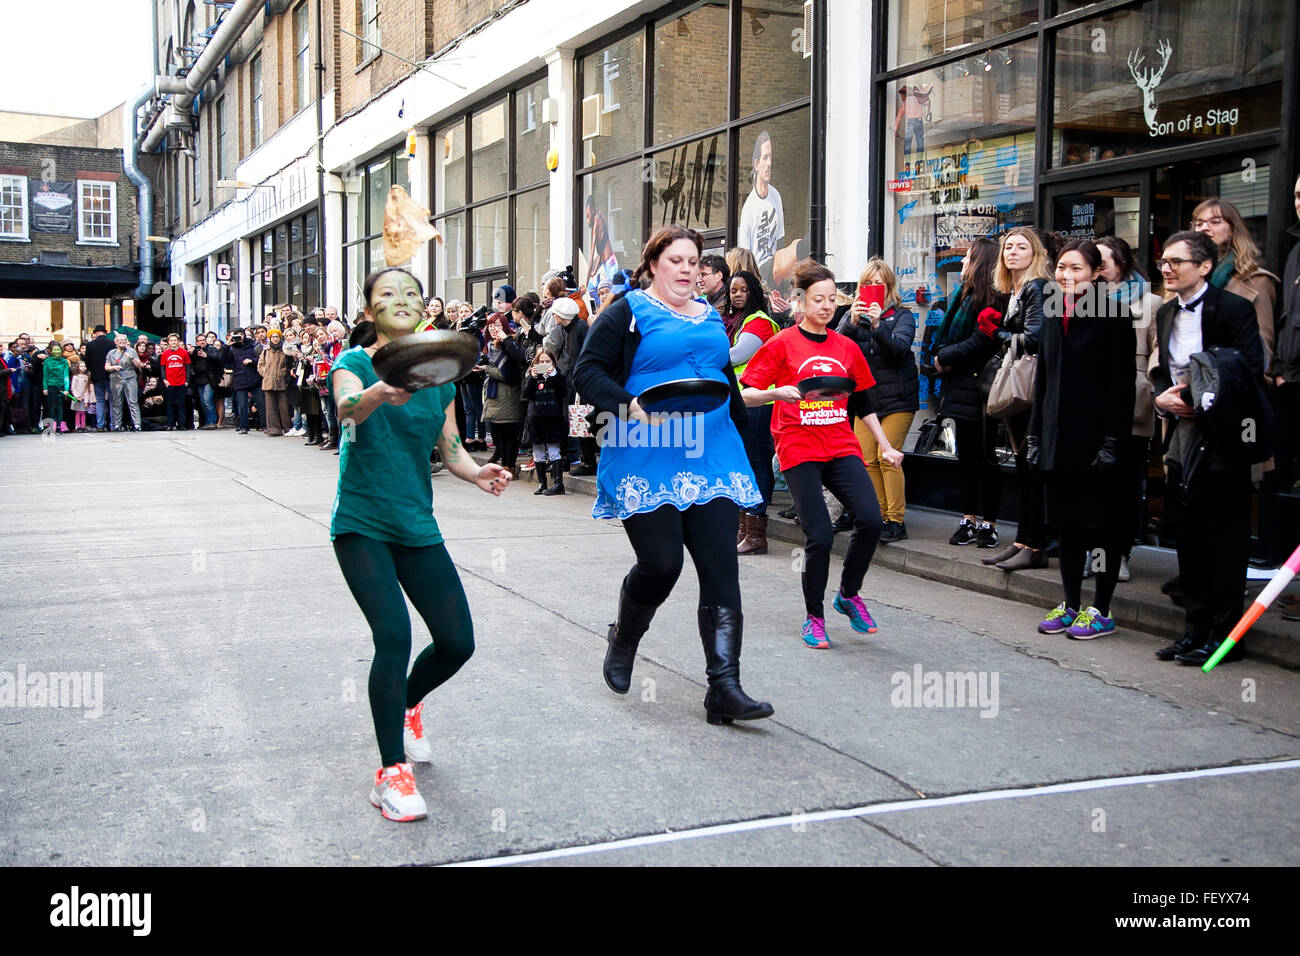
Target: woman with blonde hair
1239,270
1022,272
885,334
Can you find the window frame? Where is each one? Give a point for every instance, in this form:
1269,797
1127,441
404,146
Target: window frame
301,58
82,239
23,210
371,31
223,158
255,96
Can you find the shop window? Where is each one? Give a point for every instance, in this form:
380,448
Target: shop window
449,181
452,256
532,139
488,151
689,184
612,119
1166,74
920,29
378,180
532,238
491,235
772,57
774,190
611,225
690,71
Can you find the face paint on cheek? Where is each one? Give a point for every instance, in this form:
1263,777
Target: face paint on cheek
407,317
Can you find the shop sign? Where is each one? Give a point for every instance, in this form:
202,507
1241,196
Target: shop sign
1148,80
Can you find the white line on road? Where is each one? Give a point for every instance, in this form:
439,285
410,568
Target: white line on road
986,796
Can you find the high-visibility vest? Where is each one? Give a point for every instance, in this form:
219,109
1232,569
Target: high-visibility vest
740,369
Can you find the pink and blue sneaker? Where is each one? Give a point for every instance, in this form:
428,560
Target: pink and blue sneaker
857,612
1089,624
814,633
1058,619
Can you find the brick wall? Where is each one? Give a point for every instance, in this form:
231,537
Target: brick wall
68,163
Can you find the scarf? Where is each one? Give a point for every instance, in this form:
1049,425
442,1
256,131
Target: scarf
1224,271
958,320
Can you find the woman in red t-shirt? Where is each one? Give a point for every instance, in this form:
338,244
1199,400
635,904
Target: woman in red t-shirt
816,446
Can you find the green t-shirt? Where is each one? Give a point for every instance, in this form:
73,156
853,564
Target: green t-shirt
385,491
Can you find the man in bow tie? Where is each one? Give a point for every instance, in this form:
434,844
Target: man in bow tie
1213,527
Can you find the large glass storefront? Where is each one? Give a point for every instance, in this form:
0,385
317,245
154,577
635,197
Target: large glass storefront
286,264
491,197
700,118
1085,119
365,196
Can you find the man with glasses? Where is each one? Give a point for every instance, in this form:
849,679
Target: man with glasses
714,280
1213,527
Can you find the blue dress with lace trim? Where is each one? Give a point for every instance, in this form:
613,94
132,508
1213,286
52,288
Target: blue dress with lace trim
686,460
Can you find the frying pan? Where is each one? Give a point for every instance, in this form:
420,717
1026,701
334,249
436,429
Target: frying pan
685,395
426,359
827,388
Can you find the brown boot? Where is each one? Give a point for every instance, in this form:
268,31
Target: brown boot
743,530
756,539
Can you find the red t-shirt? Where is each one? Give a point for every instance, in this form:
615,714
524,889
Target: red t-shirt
805,430
173,363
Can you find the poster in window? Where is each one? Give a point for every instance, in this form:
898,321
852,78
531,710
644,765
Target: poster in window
53,206
762,227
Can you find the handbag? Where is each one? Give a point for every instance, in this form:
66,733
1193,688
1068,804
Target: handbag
227,379
1012,391
579,426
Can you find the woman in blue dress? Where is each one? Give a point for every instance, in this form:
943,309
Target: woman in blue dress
678,481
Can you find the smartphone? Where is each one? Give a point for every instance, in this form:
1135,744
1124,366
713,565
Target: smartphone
872,293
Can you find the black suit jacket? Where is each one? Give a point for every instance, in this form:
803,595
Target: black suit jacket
1226,320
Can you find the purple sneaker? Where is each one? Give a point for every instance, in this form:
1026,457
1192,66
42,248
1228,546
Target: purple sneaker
857,612
1089,624
1058,619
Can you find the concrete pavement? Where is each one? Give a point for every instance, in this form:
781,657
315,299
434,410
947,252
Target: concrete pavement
193,573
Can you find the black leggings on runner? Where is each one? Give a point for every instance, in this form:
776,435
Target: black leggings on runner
709,533
1077,546
377,572
848,481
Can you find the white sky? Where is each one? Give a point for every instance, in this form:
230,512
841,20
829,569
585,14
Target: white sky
74,57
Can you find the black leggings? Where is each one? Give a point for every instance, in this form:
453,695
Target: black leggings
757,436
709,533
1032,529
1076,547
848,481
377,572
505,436
977,466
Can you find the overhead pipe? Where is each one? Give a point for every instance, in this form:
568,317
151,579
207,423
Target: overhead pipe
183,91
143,189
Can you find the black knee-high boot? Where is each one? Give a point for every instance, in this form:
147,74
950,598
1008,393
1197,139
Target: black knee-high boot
624,637
541,478
720,632
313,430
558,487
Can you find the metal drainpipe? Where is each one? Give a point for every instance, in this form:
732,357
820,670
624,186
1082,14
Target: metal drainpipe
322,250
143,187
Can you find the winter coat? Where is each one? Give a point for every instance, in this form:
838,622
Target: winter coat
965,387
96,357
566,342
245,376
273,366
888,351
547,418
55,374
501,388
205,365
1286,351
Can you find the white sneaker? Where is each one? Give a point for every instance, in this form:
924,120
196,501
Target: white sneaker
396,796
418,748
1124,574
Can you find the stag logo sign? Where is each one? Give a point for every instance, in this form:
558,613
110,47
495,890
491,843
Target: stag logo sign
1148,79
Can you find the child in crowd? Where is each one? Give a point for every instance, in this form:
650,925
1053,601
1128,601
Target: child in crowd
83,396
55,382
544,392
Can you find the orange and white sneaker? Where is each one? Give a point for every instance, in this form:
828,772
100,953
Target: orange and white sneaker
396,796
418,748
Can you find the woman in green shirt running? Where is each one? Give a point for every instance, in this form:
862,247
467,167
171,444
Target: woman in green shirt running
387,540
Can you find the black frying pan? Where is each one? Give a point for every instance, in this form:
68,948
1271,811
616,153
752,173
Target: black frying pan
827,388
426,359
685,395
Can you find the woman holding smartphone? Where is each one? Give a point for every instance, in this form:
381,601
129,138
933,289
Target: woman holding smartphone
884,329
816,446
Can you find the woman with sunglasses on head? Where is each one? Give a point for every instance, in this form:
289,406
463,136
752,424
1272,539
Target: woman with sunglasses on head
1082,415
748,327
671,494
816,446
1022,274
387,540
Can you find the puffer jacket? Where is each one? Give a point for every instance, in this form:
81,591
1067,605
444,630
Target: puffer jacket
888,351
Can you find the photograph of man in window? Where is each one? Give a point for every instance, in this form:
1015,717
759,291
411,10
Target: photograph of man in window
762,223
916,110
602,263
